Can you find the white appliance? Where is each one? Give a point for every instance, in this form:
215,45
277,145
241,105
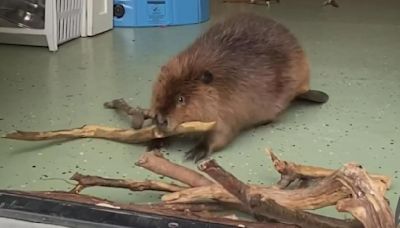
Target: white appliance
64,20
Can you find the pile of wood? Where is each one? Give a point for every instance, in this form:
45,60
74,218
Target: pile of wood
213,194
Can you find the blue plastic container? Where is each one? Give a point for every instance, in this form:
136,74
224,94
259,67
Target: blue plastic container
144,13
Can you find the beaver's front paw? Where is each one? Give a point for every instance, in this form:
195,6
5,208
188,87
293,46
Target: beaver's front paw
197,153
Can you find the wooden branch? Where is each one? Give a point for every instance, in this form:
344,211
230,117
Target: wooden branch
156,210
326,193
291,172
155,162
116,134
368,203
259,205
137,114
236,187
85,181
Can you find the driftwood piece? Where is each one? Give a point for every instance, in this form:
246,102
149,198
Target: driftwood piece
265,207
115,134
291,172
326,193
157,209
157,163
367,203
85,181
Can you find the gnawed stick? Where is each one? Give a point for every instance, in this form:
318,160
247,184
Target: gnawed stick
291,172
155,162
85,181
260,205
157,209
367,203
115,134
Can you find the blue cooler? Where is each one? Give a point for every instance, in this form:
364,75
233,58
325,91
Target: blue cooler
144,13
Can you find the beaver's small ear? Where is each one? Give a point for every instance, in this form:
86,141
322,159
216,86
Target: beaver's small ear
207,77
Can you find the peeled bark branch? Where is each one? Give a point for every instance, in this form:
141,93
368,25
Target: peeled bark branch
155,162
116,134
109,133
85,181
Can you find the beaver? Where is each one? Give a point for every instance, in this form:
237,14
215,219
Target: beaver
242,72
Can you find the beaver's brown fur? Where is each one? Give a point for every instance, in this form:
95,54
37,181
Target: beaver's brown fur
244,71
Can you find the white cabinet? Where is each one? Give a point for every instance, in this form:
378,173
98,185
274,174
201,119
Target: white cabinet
64,20
62,23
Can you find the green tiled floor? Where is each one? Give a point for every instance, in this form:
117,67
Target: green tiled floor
354,52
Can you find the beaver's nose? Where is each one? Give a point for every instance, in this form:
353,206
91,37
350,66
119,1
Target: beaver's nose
161,120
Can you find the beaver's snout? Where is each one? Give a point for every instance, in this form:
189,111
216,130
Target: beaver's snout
161,121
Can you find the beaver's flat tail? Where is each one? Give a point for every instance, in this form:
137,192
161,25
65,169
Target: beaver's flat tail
314,96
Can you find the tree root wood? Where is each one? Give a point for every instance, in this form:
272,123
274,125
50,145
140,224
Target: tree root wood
291,172
367,203
268,208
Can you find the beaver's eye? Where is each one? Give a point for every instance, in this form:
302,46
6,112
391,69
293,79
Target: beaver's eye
181,100
207,77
